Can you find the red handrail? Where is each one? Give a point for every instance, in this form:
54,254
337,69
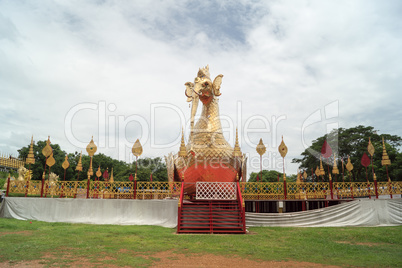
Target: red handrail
241,205
180,206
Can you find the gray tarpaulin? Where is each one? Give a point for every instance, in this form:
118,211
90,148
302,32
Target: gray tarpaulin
94,211
362,212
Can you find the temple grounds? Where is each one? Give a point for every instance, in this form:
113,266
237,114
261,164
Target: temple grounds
41,244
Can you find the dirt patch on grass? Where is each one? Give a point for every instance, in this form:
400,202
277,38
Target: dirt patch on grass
368,244
160,259
169,259
19,232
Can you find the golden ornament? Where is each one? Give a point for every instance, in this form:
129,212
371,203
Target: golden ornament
65,164
283,149
261,149
137,148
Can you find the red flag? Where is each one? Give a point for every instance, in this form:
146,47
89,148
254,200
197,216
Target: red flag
131,178
105,174
365,160
258,177
326,150
150,177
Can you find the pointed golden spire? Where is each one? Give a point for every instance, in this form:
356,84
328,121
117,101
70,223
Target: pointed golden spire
236,150
305,175
182,151
31,157
79,165
111,176
385,159
335,169
322,171
370,148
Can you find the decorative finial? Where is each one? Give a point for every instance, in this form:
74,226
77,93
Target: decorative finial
322,171
236,150
47,150
91,147
111,176
137,148
370,148
65,164
79,165
183,151
283,149
31,157
98,172
349,165
261,149
335,169
385,159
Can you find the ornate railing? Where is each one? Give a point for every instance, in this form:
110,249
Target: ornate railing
161,190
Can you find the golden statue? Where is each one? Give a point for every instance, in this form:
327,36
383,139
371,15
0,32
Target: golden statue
207,156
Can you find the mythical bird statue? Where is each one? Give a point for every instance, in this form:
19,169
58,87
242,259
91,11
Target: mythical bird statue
207,156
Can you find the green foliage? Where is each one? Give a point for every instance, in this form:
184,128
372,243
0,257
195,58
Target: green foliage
121,170
60,244
353,142
270,176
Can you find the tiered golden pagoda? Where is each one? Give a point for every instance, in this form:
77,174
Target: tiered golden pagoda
236,150
182,151
31,157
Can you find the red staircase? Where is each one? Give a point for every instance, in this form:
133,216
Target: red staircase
212,216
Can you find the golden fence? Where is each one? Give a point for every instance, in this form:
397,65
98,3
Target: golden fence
162,190
8,162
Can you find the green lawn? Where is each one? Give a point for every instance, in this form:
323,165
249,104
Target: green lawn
362,247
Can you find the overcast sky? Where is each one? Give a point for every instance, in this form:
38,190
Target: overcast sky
116,70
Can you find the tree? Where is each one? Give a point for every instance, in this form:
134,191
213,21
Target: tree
353,142
270,176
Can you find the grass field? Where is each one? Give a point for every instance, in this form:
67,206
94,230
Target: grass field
58,244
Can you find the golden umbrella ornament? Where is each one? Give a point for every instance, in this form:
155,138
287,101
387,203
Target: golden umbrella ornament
283,150
137,151
261,149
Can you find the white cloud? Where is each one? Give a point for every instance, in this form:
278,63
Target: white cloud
278,59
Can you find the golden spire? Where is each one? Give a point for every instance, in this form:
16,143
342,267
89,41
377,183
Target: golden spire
322,171
283,149
111,176
305,175
370,148
65,164
349,165
236,150
335,169
31,157
385,159
79,165
183,151
137,148
261,149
